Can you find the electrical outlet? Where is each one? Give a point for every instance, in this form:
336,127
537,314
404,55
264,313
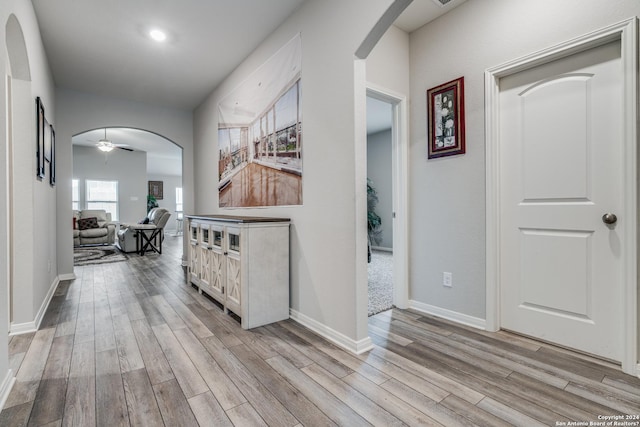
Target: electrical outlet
447,279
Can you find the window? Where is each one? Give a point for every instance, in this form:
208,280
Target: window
179,202
75,195
103,195
277,134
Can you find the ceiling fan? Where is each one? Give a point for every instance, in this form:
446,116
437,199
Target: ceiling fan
106,145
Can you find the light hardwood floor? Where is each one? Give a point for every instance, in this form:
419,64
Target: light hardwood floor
131,343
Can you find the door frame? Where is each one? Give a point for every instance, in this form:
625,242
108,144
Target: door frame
626,32
399,177
8,190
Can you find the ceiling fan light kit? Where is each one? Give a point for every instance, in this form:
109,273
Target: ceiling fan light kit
105,145
158,35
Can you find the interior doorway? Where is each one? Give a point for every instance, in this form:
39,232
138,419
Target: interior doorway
387,179
15,157
146,168
379,205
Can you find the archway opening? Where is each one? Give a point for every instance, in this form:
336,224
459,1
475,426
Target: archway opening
141,169
19,119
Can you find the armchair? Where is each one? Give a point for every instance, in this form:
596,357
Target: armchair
142,237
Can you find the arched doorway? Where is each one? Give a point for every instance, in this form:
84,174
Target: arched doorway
19,116
136,158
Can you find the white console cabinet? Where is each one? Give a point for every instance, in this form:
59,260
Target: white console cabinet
243,263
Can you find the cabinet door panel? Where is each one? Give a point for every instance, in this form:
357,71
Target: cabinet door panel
233,289
193,263
205,266
216,284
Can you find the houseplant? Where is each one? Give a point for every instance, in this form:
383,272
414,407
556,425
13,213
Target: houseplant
151,202
374,222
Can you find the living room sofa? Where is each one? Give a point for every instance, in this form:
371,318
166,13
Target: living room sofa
93,227
135,237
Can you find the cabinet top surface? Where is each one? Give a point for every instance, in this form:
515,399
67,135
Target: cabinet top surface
237,218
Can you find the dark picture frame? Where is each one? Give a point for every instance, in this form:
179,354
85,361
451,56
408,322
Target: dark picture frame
155,189
47,141
52,162
445,119
40,131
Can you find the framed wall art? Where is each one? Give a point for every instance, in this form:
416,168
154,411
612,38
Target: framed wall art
445,119
47,141
52,161
40,134
260,136
155,189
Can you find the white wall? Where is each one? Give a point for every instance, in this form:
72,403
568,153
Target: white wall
78,112
379,171
448,194
5,373
34,201
326,262
169,185
127,167
388,63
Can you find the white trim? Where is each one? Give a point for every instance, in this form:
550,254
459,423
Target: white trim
6,386
22,328
492,190
27,327
454,316
339,339
400,177
626,32
68,276
7,154
629,48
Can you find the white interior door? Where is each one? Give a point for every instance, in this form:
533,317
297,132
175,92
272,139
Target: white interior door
561,145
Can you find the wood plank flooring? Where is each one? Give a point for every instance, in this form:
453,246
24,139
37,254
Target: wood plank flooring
131,343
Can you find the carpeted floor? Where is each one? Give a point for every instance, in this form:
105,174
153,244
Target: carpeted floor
380,274
87,255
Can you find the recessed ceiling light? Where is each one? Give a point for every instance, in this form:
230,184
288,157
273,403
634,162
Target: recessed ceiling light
158,35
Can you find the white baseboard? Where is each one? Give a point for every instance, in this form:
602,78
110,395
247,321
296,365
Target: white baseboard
454,316
70,276
6,386
22,328
638,370
339,339
25,328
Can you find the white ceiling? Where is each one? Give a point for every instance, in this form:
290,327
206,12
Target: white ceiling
102,47
163,156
